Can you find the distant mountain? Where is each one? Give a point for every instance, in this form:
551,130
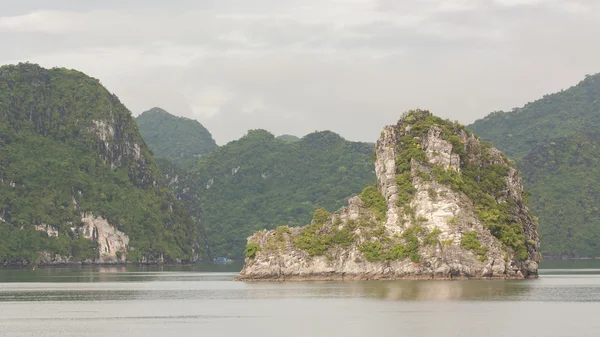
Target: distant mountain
537,123
555,144
260,181
288,138
77,181
564,179
177,139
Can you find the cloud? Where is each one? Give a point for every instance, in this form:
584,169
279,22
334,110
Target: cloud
295,66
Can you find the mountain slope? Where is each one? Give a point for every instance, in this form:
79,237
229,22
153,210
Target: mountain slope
554,142
564,177
556,115
77,181
259,181
177,139
446,205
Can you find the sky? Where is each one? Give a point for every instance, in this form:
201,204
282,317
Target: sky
298,66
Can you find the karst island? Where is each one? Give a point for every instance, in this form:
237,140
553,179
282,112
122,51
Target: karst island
446,205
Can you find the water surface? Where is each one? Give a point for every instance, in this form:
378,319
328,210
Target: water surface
204,301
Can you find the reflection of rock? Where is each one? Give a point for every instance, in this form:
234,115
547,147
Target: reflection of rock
442,290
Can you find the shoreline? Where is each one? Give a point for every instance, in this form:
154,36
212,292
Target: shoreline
362,277
101,264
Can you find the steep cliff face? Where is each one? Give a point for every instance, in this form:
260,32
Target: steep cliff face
68,149
446,205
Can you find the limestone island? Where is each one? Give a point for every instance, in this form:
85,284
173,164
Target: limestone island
446,205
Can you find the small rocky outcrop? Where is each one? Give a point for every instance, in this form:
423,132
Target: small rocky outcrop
112,244
446,205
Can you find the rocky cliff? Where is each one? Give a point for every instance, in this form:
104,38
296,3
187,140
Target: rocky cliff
446,205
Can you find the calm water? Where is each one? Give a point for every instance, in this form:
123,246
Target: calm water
204,301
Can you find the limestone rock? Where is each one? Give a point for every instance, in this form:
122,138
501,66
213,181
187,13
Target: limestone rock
50,230
112,243
460,188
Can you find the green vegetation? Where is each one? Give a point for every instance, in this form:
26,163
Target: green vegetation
177,139
469,241
68,147
251,250
556,115
433,237
481,180
277,241
564,181
384,250
317,238
374,201
259,182
555,143
406,190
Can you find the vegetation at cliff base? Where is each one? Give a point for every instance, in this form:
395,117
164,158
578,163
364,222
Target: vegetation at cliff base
177,139
555,144
68,147
470,241
317,238
384,249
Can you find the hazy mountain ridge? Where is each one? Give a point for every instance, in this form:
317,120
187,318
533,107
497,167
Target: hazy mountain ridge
177,139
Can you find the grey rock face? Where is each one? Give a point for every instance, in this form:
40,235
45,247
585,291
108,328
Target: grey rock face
435,206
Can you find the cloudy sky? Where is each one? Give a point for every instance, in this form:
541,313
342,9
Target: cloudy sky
296,66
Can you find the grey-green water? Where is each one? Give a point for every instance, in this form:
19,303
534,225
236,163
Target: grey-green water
204,301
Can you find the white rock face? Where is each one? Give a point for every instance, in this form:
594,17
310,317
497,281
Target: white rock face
434,207
439,151
111,242
385,169
103,130
50,230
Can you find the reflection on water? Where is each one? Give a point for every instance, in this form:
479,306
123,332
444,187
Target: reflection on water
214,282
446,290
107,273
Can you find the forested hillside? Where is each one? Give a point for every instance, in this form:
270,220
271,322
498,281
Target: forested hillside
177,139
564,180
70,150
556,146
260,181
559,114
